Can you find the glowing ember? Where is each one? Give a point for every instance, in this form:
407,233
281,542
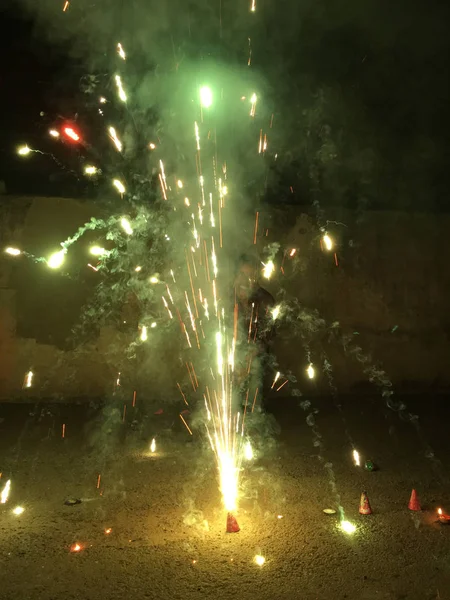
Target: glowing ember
28,379
108,531
71,133
153,446
56,259
310,371
356,458
90,170
5,492
144,336
269,269
24,150
119,186
76,547
259,560
126,226
97,250
276,312
121,51
54,133
18,510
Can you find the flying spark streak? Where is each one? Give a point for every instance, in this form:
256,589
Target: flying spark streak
5,492
328,242
277,376
66,5
13,251
292,252
121,51
97,251
28,380
197,135
253,6
120,89
115,139
185,424
119,186
356,458
71,133
253,101
126,226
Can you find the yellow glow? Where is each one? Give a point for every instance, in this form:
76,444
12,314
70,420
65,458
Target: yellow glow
356,458
248,451
54,133
119,186
153,445
206,97
56,259
152,146
310,371
28,379
348,527
12,251
97,250
154,279
276,312
120,89
24,150
259,560
268,270
115,139
328,242
121,51
126,226
5,492
18,510
153,325
180,184
144,333
90,170
137,269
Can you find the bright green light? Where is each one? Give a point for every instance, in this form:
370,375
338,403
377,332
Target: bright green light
206,97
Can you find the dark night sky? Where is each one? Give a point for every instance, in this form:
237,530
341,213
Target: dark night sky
360,94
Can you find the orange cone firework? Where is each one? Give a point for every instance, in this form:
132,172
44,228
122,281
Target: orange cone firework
232,524
414,503
364,505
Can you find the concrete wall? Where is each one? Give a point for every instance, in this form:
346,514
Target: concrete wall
390,290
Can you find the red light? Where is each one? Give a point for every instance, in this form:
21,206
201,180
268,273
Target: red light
72,134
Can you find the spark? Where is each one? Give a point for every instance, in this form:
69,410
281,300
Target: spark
154,279
152,146
356,458
180,184
28,379
121,51
54,133
248,451
253,100
76,547
144,336
119,186
108,531
18,510
310,371
97,251
253,6
153,446
66,5
153,325
90,170
56,259
259,560
126,226
13,251
72,134
277,376
276,312
5,492
115,139
269,269
347,527
292,252
24,150
102,100
120,89
328,242
206,97
138,269
197,135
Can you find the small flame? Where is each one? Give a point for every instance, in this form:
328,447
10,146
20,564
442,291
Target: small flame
328,242
153,446
18,510
356,458
311,372
248,451
76,547
5,492
259,560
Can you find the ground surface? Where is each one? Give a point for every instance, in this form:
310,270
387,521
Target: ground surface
167,535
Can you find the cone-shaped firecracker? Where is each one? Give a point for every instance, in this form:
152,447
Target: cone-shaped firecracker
414,503
364,505
232,524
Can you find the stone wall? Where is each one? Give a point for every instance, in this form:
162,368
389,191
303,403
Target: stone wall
390,290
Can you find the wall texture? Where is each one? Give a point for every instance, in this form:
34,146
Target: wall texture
390,291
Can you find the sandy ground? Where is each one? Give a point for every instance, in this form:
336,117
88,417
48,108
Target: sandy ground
167,536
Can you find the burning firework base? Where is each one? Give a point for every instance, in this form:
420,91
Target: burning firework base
148,513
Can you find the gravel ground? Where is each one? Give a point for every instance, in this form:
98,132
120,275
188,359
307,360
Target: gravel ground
167,537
